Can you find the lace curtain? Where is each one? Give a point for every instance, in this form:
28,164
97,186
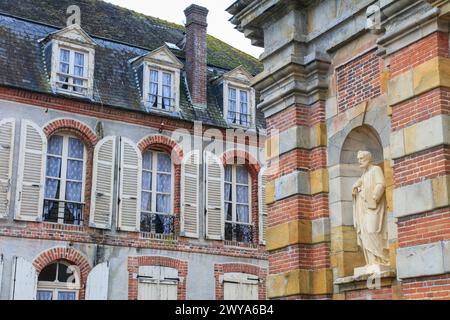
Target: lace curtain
242,208
244,108
232,105
153,95
44,295
228,194
167,88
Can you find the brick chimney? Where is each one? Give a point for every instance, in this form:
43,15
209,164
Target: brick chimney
196,55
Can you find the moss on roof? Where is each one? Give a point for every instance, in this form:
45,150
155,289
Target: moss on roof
106,20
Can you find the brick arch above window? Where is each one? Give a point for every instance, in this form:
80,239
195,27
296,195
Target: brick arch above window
73,126
162,143
133,269
67,254
231,157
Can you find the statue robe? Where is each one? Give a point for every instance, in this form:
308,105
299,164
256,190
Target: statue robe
369,216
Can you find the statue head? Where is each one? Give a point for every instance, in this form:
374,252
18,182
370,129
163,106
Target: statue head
364,159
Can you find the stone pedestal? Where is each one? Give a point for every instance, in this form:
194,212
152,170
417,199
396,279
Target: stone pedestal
370,270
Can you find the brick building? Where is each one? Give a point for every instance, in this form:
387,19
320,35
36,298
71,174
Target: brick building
130,158
341,76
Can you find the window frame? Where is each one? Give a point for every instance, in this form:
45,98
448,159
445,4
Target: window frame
71,75
88,74
238,102
55,286
234,202
63,177
153,192
251,112
174,89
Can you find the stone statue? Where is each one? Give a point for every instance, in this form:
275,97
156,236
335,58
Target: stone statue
369,212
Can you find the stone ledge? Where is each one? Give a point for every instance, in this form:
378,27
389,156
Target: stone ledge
351,283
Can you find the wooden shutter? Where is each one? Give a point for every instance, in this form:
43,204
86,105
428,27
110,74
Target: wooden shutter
103,183
24,280
97,282
130,186
240,286
157,283
214,197
1,272
262,206
6,159
31,173
190,175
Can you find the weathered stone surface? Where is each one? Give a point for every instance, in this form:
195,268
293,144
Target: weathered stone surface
292,184
423,260
320,230
341,213
293,232
401,88
319,181
422,196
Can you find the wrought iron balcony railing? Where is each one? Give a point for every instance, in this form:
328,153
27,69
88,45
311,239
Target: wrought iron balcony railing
157,223
60,211
238,118
238,232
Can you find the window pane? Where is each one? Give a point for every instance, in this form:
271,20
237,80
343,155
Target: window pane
163,203
54,146
227,192
163,183
65,295
52,189
79,59
163,224
44,295
65,274
78,71
64,68
146,180
146,202
228,173
64,55
53,167
75,170
242,213
228,211
242,175
147,160
76,148
164,163
48,273
73,191
242,194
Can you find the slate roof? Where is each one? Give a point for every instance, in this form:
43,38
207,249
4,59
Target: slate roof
113,29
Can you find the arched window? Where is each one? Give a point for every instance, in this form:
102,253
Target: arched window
64,183
58,281
157,193
237,194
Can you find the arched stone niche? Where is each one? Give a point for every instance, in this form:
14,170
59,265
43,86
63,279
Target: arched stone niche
344,170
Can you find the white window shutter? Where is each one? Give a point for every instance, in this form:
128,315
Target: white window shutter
214,197
168,284
262,206
190,174
157,283
31,173
240,286
97,282
130,186
1,272
103,183
6,160
24,280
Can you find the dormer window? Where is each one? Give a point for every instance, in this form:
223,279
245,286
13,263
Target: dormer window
238,98
161,90
70,61
158,74
238,107
72,71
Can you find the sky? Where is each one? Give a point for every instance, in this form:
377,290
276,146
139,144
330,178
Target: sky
173,11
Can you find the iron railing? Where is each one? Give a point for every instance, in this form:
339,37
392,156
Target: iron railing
157,223
60,211
238,232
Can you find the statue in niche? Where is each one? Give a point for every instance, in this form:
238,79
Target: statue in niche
369,212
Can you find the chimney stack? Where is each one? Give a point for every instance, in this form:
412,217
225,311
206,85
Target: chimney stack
196,64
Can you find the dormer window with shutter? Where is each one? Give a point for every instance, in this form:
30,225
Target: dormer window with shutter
238,98
69,57
159,80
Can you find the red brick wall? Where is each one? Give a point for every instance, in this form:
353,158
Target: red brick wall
358,80
435,287
221,269
434,45
133,269
300,256
367,294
